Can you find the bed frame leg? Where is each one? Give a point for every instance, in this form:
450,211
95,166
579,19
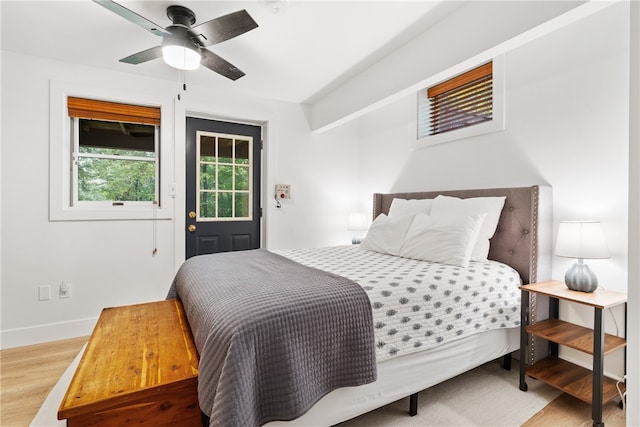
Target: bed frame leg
506,362
413,404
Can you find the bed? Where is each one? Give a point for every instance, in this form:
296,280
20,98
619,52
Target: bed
409,355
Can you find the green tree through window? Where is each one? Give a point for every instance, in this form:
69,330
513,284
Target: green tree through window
116,162
224,176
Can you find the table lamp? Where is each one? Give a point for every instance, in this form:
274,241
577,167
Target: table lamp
581,240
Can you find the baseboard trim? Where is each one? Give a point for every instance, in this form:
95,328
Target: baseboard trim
45,333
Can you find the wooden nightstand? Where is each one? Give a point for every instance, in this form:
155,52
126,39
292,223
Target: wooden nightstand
589,386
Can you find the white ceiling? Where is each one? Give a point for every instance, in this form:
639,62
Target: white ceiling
300,51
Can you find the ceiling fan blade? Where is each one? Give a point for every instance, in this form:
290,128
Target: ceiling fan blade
144,56
131,16
220,65
224,27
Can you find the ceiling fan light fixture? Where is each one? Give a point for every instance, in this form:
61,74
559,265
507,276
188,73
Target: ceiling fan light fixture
181,57
183,45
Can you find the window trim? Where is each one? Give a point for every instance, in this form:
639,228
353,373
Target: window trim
498,122
61,206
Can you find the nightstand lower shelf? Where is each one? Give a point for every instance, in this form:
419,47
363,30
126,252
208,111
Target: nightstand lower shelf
571,379
573,336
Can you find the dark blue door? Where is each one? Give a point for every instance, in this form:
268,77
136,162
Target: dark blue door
223,186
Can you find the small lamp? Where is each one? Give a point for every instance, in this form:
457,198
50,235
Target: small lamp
581,239
357,222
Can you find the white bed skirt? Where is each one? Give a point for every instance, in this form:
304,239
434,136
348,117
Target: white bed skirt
404,375
397,378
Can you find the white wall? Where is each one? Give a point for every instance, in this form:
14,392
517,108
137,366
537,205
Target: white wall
569,140
458,37
110,263
566,126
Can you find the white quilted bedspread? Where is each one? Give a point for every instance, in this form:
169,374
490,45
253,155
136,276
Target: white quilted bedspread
418,304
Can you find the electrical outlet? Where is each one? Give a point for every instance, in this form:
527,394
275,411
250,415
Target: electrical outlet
44,293
65,290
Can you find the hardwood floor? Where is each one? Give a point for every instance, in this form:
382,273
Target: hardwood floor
29,373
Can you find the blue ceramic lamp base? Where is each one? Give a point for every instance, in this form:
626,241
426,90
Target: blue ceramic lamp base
581,278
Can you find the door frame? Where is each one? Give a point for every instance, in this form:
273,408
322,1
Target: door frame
184,109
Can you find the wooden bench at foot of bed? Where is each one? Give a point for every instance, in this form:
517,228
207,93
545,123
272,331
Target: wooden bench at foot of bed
140,367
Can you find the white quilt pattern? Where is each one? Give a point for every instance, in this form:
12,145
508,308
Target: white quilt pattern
418,304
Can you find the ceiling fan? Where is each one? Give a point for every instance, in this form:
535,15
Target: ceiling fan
184,46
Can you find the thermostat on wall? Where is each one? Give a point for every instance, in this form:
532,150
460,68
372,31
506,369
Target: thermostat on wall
283,191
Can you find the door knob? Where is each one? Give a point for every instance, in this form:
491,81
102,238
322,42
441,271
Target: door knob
191,228
192,214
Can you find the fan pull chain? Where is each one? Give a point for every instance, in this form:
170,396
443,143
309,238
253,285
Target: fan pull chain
181,76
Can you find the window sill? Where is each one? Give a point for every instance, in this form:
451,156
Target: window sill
119,213
495,125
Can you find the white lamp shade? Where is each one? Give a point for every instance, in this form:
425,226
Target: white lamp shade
581,239
181,57
358,222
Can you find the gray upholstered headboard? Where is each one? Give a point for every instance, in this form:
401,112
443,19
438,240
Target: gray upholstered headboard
522,239
523,235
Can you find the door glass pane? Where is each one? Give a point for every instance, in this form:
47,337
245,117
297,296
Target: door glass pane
207,204
225,207
207,177
242,178
242,205
207,148
225,150
242,152
225,177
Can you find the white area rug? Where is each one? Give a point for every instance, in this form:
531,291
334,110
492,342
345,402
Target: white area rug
485,396
47,416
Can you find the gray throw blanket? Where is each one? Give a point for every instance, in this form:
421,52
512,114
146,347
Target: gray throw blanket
274,336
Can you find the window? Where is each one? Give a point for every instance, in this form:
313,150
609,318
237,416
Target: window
224,177
466,105
114,153
82,127
462,101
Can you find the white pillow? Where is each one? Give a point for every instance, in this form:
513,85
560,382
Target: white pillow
386,234
445,239
401,207
490,206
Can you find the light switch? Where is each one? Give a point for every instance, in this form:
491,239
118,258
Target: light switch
44,293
